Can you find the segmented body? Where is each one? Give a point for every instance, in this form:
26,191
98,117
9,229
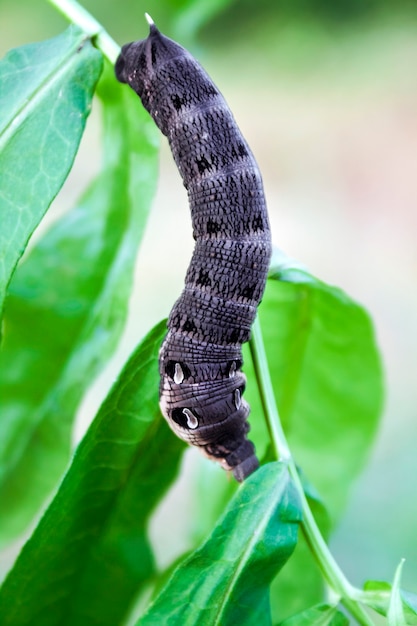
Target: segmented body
200,360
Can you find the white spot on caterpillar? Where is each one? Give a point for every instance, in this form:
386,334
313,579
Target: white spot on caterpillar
192,421
149,19
232,370
178,374
237,398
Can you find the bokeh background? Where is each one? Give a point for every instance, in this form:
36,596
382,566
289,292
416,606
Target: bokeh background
326,95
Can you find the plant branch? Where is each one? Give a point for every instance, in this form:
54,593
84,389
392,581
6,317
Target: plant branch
329,568
76,14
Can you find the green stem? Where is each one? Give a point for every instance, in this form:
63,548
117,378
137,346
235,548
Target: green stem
330,569
76,14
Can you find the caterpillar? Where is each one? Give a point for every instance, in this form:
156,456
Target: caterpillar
200,359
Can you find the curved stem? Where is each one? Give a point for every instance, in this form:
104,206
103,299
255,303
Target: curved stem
76,14
330,569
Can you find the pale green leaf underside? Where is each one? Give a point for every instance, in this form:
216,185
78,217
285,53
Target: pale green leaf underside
46,97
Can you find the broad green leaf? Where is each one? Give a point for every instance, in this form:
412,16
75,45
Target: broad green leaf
377,595
67,308
89,556
327,377
45,98
328,384
321,615
300,584
227,580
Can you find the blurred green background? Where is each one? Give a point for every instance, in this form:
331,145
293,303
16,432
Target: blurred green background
326,95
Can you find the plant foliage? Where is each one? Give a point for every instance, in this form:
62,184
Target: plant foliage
90,558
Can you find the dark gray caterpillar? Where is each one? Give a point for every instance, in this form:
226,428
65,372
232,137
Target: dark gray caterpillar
200,360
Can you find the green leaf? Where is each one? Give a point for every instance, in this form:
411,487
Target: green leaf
316,338
377,595
46,97
321,615
89,556
67,308
227,580
300,585
327,377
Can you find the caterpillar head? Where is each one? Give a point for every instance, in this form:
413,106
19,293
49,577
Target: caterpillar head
140,59
145,66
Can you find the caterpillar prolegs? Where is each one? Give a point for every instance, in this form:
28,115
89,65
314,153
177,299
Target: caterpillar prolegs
200,359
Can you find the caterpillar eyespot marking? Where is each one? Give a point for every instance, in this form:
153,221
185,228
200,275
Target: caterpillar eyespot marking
201,357
178,374
237,398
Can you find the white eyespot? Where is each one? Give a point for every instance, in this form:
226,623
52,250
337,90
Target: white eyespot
232,370
192,421
178,374
237,398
